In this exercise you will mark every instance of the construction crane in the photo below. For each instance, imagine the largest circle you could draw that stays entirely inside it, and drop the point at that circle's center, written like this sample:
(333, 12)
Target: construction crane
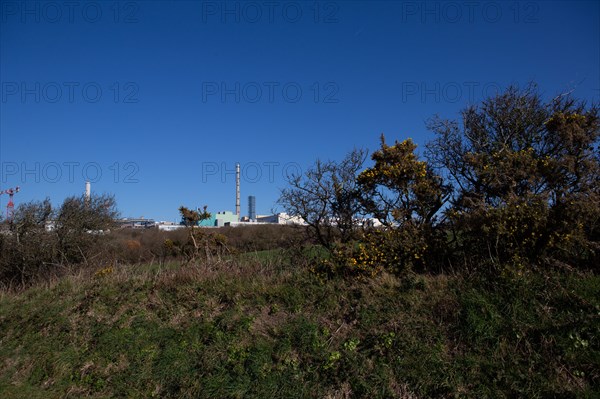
(10, 207)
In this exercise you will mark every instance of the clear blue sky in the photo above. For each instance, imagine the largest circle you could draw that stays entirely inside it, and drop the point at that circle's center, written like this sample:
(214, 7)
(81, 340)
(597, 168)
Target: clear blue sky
(155, 101)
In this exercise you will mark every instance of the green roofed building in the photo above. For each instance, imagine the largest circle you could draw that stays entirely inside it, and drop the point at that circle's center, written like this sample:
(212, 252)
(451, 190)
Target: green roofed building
(219, 219)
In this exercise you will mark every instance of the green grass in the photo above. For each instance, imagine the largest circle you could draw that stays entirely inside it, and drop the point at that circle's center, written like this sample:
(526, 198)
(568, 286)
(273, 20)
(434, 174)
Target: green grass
(262, 327)
(268, 255)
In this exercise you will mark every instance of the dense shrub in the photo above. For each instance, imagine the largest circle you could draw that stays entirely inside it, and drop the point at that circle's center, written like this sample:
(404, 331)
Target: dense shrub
(264, 237)
(26, 249)
(526, 174)
(134, 246)
(405, 195)
(522, 176)
(29, 251)
(81, 224)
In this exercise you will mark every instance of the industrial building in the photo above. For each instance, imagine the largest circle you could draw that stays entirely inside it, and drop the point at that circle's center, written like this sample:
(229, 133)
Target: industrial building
(279, 218)
(137, 223)
(228, 218)
(169, 226)
(220, 219)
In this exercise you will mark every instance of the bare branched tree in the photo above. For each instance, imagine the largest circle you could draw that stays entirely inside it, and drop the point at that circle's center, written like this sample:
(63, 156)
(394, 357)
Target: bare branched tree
(326, 197)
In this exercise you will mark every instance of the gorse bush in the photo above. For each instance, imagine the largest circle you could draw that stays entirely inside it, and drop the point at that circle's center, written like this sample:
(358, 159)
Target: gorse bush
(515, 183)
(399, 188)
(405, 195)
(396, 251)
(526, 175)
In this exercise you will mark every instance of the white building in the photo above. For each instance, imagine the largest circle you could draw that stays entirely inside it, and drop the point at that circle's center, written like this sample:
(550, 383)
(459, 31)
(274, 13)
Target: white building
(279, 218)
(169, 227)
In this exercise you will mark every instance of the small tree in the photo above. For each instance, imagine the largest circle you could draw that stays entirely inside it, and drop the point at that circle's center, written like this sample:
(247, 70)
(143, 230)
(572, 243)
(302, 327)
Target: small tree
(80, 223)
(28, 251)
(191, 218)
(31, 217)
(326, 197)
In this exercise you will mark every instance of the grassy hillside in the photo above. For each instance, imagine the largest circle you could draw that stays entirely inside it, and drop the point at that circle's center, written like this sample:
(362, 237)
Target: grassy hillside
(264, 327)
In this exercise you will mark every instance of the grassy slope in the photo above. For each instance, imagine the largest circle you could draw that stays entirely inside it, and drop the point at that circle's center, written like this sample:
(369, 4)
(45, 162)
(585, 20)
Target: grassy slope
(265, 330)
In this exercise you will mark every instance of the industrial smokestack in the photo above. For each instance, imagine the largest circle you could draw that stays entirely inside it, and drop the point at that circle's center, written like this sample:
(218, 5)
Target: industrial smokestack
(88, 191)
(237, 190)
(252, 208)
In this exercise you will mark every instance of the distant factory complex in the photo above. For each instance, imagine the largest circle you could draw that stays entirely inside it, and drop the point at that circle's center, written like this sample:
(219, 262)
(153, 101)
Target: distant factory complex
(218, 219)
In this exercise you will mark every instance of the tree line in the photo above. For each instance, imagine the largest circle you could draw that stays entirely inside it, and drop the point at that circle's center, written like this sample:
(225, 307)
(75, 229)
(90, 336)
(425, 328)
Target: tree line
(41, 239)
(513, 183)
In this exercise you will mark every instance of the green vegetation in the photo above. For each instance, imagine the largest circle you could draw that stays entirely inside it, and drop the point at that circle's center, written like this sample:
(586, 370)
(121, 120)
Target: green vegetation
(514, 184)
(268, 327)
(480, 281)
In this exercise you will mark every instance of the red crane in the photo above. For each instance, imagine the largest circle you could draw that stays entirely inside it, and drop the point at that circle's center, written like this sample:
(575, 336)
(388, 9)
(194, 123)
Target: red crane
(10, 207)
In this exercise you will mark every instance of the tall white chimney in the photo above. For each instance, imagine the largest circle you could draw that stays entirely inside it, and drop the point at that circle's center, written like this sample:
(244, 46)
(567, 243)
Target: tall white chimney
(237, 190)
(88, 190)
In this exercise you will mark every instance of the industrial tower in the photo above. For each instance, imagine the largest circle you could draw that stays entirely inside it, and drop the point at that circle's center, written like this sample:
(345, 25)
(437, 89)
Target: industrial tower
(10, 207)
(252, 208)
(237, 190)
